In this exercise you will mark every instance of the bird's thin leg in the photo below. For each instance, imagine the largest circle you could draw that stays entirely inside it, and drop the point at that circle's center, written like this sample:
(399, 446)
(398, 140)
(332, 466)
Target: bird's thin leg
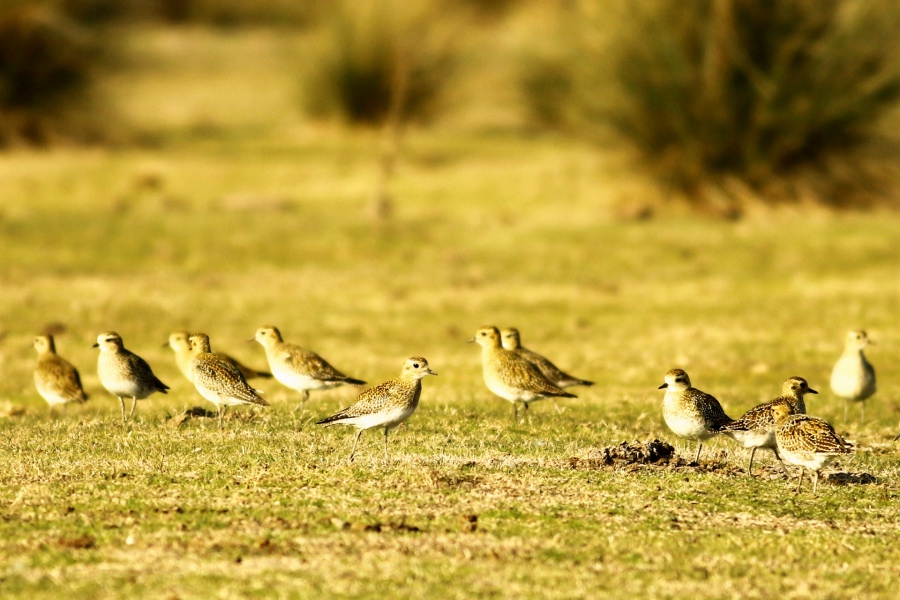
(515, 412)
(355, 441)
(750, 468)
(799, 481)
(133, 405)
(780, 462)
(862, 412)
(815, 482)
(304, 396)
(385, 443)
(122, 404)
(699, 449)
(526, 418)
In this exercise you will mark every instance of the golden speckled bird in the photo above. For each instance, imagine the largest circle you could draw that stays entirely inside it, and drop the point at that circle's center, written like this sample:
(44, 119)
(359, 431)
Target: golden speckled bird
(297, 368)
(56, 380)
(756, 428)
(513, 342)
(385, 405)
(807, 442)
(180, 344)
(218, 380)
(123, 373)
(852, 377)
(510, 376)
(690, 413)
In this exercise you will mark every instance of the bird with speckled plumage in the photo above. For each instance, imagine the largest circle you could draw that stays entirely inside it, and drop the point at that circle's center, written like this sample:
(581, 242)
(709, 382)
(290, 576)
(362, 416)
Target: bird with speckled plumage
(808, 442)
(512, 341)
(180, 344)
(690, 413)
(125, 374)
(56, 380)
(297, 368)
(852, 377)
(386, 405)
(218, 380)
(756, 428)
(511, 376)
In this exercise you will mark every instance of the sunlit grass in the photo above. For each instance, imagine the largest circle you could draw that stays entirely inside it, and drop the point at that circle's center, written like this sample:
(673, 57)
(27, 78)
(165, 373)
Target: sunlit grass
(203, 233)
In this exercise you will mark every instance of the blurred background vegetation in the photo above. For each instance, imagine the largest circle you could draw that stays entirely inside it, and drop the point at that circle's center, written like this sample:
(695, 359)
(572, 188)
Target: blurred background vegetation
(724, 102)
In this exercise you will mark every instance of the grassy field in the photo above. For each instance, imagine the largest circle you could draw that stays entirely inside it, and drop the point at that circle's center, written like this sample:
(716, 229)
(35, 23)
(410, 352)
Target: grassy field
(239, 214)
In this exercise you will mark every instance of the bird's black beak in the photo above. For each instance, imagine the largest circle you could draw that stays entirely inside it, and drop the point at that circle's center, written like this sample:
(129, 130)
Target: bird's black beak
(97, 345)
(665, 385)
(812, 391)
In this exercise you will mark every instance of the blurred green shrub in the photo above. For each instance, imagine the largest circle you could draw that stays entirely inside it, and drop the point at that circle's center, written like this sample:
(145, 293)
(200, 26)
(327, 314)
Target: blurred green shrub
(46, 62)
(768, 96)
(380, 56)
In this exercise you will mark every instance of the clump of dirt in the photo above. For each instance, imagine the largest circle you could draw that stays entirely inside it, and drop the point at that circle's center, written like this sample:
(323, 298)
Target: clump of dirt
(851, 478)
(630, 454)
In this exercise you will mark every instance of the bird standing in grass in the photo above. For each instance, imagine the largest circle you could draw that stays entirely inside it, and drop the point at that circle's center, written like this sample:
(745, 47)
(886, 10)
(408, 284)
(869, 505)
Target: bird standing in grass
(807, 442)
(385, 405)
(125, 374)
(852, 377)
(298, 368)
(180, 344)
(510, 376)
(512, 342)
(756, 429)
(218, 380)
(690, 413)
(56, 380)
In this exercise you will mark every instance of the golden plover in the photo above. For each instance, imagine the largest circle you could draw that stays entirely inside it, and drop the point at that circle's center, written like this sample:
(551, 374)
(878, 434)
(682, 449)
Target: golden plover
(180, 344)
(56, 380)
(690, 413)
(807, 442)
(756, 429)
(297, 368)
(385, 405)
(853, 378)
(123, 373)
(511, 341)
(218, 380)
(510, 376)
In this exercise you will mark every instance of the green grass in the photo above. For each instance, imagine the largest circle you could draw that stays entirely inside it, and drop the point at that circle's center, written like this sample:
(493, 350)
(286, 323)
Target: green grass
(226, 228)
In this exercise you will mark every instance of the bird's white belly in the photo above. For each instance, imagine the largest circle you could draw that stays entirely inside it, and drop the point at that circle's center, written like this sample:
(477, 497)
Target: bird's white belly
(124, 388)
(850, 380)
(52, 397)
(754, 438)
(810, 460)
(388, 419)
(686, 427)
(299, 381)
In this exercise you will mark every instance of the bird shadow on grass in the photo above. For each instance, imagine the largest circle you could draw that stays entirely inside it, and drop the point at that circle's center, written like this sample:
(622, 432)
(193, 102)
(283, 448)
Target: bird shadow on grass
(194, 412)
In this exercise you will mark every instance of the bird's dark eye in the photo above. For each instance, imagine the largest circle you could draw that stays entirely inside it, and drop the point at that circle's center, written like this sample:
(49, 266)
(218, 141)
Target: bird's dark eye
(415, 365)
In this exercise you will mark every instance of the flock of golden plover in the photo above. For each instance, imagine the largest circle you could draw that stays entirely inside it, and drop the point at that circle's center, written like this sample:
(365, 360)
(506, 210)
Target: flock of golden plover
(512, 372)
